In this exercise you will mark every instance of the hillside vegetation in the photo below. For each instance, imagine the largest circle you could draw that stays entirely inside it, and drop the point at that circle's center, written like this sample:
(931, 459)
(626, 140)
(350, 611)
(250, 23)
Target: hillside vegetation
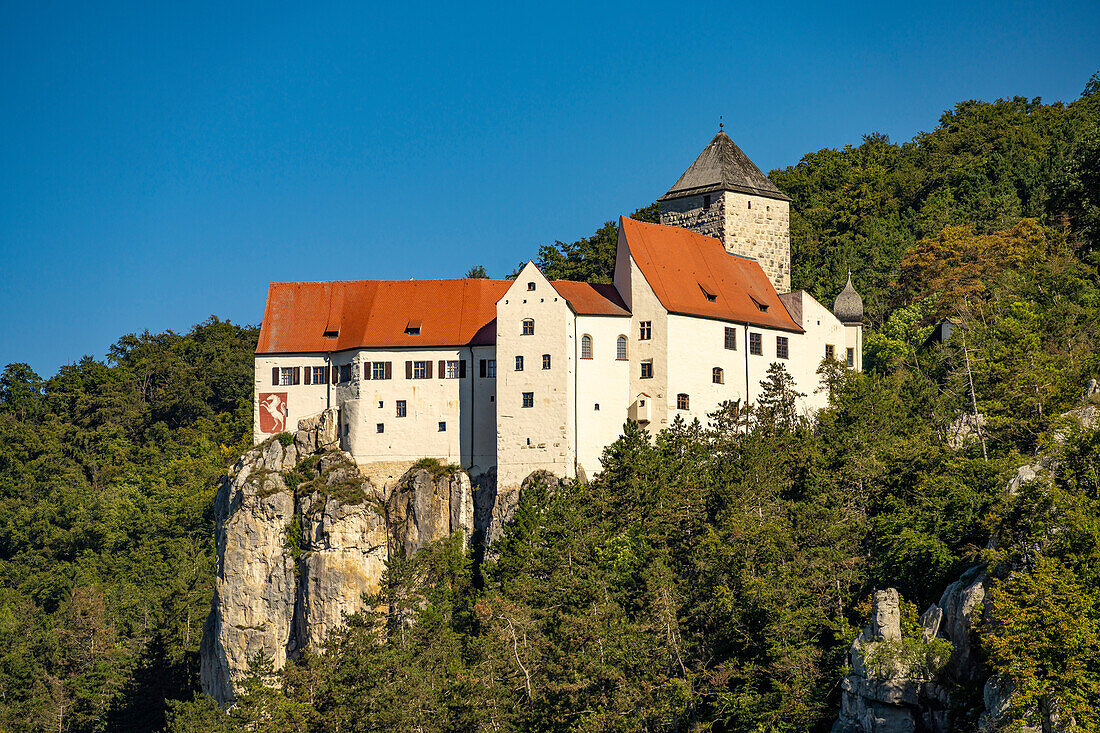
(711, 578)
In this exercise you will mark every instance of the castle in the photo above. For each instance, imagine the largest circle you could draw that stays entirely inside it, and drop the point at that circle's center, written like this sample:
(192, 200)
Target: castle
(527, 374)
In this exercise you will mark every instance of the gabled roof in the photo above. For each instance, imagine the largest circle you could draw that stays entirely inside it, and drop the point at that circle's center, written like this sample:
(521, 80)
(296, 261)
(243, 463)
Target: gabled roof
(588, 299)
(379, 314)
(684, 268)
(722, 166)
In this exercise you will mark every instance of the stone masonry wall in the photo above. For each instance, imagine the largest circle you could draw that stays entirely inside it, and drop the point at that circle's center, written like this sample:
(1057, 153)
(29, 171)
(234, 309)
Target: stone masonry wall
(752, 226)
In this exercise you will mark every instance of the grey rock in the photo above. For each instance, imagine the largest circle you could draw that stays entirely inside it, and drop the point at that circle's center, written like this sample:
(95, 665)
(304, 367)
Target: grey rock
(886, 615)
(930, 622)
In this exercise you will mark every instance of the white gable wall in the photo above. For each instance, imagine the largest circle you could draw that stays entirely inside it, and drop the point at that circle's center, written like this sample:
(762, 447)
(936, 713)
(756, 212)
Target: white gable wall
(541, 436)
(603, 380)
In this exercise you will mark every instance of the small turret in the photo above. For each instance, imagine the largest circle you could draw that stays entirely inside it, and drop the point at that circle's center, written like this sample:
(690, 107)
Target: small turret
(848, 306)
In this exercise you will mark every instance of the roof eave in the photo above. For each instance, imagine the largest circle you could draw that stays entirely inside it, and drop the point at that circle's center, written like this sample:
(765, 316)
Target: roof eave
(697, 190)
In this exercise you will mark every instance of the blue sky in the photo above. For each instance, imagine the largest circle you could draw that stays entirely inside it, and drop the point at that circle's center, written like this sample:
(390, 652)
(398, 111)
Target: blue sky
(161, 162)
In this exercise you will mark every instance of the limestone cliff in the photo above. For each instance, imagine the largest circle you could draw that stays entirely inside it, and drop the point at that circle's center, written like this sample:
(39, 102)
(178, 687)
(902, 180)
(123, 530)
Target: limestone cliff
(301, 534)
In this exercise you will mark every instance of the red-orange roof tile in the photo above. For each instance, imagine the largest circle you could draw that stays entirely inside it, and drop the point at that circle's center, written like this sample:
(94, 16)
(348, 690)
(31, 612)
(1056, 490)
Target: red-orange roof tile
(683, 267)
(377, 313)
(591, 299)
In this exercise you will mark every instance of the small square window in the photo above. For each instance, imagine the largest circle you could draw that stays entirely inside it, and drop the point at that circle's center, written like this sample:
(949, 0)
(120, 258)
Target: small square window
(345, 372)
(830, 351)
(528, 327)
(453, 369)
(530, 286)
(645, 330)
(380, 404)
(380, 427)
(682, 401)
(286, 376)
(378, 370)
(717, 375)
(402, 411)
(320, 375)
(519, 363)
(756, 344)
(597, 408)
(545, 361)
(528, 399)
(442, 427)
(420, 370)
(647, 370)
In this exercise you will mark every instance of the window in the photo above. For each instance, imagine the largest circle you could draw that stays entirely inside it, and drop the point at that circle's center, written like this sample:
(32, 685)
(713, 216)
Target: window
(731, 338)
(597, 407)
(586, 346)
(756, 344)
(320, 375)
(345, 372)
(381, 370)
(331, 334)
(830, 351)
(401, 410)
(681, 401)
(420, 369)
(711, 297)
(750, 204)
(380, 427)
(782, 347)
(528, 327)
(530, 286)
(519, 363)
(647, 370)
(286, 376)
(620, 348)
(717, 375)
(488, 368)
(706, 202)
(645, 330)
(453, 370)
(528, 399)
(851, 357)
(545, 361)
(413, 328)
(442, 426)
(381, 404)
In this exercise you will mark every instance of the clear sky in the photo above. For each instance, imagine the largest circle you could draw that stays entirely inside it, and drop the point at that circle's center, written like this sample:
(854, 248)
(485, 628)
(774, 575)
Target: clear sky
(161, 162)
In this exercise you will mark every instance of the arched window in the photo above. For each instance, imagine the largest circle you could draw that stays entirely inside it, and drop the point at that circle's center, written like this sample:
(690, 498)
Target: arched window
(586, 346)
(717, 376)
(620, 348)
(528, 327)
(682, 401)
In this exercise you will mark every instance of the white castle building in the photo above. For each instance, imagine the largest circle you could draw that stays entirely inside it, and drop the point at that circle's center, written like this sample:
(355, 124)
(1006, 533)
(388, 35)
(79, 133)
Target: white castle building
(532, 374)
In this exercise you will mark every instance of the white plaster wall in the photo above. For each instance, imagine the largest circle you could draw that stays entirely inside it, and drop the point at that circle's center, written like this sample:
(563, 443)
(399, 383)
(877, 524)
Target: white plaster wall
(822, 328)
(428, 402)
(697, 346)
(602, 380)
(646, 307)
(542, 436)
(302, 400)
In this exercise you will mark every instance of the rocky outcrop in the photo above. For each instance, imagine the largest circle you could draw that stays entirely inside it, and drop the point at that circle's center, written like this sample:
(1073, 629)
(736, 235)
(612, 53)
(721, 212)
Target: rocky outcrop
(301, 535)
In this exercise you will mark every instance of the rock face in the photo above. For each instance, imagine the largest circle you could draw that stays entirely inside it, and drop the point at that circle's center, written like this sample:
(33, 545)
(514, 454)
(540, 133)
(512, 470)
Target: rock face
(895, 693)
(300, 536)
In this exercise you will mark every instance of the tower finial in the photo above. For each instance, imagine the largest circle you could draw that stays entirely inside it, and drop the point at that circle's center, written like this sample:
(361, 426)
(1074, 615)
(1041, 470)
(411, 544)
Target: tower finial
(720, 123)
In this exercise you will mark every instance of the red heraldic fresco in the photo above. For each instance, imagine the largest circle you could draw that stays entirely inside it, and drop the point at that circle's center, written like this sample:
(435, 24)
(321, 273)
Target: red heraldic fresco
(273, 412)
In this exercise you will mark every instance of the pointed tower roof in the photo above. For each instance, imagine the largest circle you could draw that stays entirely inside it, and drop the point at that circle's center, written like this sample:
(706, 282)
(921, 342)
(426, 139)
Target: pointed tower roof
(722, 166)
(848, 306)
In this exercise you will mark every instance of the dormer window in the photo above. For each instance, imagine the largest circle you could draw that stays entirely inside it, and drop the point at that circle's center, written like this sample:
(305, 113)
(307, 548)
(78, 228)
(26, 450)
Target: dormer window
(711, 297)
(331, 334)
(763, 307)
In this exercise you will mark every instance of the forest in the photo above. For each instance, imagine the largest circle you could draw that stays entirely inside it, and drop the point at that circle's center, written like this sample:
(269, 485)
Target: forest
(712, 577)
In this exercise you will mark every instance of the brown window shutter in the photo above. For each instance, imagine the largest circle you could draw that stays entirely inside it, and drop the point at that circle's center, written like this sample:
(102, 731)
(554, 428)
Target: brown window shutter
(367, 369)
(275, 376)
(298, 375)
(408, 370)
(483, 369)
(442, 369)
(389, 370)
(462, 369)
(335, 374)
(428, 366)
(308, 374)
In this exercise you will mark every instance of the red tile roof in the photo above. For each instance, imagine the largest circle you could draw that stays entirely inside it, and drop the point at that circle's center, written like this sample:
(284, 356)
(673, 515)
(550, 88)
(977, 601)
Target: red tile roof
(682, 267)
(376, 314)
(589, 299)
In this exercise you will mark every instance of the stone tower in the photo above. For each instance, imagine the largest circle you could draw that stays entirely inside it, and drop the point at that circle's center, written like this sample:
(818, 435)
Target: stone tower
(724, 195)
